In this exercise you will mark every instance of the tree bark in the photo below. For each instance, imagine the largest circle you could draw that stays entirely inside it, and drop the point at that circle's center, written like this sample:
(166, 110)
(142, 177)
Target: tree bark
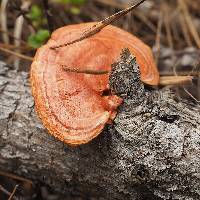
(151, 151)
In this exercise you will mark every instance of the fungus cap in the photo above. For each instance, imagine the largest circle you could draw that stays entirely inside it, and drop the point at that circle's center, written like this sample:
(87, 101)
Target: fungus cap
(71, 105)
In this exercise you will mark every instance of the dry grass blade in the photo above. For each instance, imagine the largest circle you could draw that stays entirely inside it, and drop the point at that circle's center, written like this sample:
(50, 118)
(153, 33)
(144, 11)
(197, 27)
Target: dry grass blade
(196, 100)
(143, 18)
(167, 25)
(158, 38)
(100, 25)
(18, 33)
(13, 192)
(15, 177)
(114, 3)
(13, 47)
(185, 30)
(3, 20)
(85, 71)
(11, 36)
(49, 15)
(16, 54)
(7, 192)
(182, 73)
(175, 80)
(189, 22)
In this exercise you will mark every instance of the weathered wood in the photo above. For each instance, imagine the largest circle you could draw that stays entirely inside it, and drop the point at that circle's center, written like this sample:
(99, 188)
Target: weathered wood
(152, 151)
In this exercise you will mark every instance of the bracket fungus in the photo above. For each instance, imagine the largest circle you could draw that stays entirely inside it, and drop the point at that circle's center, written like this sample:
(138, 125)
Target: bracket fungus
(73, 106)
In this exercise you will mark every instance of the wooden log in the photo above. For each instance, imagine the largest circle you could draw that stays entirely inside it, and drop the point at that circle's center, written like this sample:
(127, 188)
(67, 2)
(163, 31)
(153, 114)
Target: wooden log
(151, 151)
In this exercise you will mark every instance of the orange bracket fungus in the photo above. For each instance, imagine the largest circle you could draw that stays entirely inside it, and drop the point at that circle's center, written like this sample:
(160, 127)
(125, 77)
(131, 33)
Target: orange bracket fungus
(73, 106)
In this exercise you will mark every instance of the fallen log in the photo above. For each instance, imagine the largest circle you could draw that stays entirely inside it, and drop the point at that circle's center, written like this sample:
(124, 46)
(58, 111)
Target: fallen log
(151, 151)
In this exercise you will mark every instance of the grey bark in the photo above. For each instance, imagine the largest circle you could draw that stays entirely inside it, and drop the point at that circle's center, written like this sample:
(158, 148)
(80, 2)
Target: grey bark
(152, 150)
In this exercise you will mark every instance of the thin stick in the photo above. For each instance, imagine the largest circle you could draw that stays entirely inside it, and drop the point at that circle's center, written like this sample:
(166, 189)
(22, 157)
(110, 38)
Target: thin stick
(3, 16)
(6, 192)
(188, 19)
(196, 66)
(11, 35)
(158, 38)
(22, 11)
(18, 32)
(114, 3)
(11, 46)
(182, 52)
(167, 26)
(13, 192)
(182, 73)
(16, 54)
(164, 80)
(185, 30)
(85, 71)
(145, 19)
(191, 95)
(99, 26)
(15, 177)
(48, 15)
(138, 14)
(175, 31)
(175, 80)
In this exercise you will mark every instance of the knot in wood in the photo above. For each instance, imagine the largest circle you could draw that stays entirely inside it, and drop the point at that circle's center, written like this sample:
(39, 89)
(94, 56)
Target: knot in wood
(124, 79)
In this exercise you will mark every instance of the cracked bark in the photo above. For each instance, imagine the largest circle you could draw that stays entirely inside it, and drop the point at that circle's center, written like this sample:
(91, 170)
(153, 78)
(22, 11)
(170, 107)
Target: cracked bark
(152, 150)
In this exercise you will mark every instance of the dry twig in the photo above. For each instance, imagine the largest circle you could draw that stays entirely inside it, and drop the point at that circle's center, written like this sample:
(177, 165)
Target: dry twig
(158, 37)
(15, 177)
(7, 192)
(18, 31)
(3, 20)
(11, 36)
(100, 25)
(143, 18)
(185, 30)
(167, 25)
(190, 24)
(13, 192)
(175, 80)
(48, 15)
(16, 54)
(85, 71)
